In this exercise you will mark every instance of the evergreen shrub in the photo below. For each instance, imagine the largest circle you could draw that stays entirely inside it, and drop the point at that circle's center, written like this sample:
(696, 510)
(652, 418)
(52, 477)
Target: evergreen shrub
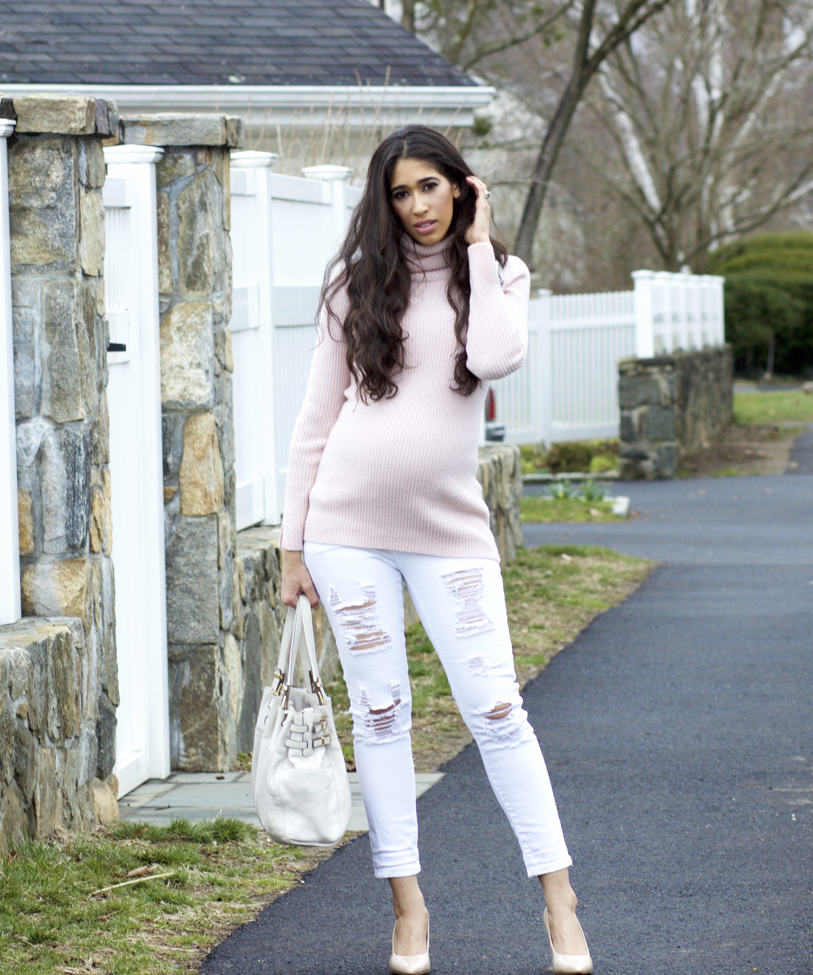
(769, 294)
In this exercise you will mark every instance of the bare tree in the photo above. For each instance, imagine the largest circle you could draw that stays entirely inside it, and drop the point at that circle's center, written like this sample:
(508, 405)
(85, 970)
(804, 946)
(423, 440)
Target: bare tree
(468, 32)
(709, 108)
(588, 56)
(408, 14)
(495, 36)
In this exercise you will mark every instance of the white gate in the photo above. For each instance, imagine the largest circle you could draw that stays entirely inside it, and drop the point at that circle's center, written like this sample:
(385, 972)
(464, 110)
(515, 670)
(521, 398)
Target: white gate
(134, 402)
(285, 230)
(252, 337)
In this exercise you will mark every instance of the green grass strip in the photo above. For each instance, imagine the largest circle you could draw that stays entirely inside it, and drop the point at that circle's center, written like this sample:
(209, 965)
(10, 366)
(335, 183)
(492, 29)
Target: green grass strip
(751, 409)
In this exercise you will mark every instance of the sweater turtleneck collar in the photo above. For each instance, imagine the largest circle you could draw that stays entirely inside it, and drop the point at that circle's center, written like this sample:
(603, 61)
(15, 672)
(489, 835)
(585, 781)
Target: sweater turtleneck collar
(426, 257)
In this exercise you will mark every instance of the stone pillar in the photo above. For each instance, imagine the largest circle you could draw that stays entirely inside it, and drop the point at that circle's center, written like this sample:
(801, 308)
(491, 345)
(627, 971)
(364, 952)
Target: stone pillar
(670, 405)
(56, 172)
(499, 471)
(194, 257)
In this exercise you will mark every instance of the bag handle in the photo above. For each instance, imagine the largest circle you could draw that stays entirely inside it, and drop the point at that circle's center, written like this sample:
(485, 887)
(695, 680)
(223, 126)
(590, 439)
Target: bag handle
(298, 624)
(284, 649)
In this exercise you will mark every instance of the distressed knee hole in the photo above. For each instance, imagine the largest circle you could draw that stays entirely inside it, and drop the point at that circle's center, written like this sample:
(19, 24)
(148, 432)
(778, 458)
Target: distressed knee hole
(467, 588)
(506, 724)
(385, 722)
(361, 626)
(477, 666)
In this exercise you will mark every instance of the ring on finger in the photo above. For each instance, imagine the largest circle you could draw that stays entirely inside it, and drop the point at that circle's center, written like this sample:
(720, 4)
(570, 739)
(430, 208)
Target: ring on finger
(488, 195)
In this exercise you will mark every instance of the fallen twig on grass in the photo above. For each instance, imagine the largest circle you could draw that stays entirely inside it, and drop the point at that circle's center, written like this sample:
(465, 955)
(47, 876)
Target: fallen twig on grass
(127, 883)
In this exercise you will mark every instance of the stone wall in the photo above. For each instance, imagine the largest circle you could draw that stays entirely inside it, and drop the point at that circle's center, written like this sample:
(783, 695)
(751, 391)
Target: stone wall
(52, 741)
(671, 405)
(194, 272)
(499, 472)
(56, 173)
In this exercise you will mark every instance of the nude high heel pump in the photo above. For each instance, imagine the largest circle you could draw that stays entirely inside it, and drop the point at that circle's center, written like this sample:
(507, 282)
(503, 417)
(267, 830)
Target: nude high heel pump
(568, 964)
(410, 964)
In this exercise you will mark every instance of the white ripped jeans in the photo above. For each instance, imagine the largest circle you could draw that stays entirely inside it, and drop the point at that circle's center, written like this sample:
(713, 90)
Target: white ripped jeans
(462, 606)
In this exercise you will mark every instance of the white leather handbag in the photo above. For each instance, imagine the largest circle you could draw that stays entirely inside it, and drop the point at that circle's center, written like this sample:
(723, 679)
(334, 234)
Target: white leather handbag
(301, 789)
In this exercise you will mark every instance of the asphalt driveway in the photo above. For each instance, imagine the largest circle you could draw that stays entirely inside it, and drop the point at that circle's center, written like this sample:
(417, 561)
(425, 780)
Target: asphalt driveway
(678, 730)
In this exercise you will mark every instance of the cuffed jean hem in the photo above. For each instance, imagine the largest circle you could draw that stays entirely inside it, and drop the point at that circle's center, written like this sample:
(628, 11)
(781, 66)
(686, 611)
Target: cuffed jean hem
(406, 870)
(538, 869)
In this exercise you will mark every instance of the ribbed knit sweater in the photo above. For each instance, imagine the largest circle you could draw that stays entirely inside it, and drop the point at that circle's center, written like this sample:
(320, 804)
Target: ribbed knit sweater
(400, 473)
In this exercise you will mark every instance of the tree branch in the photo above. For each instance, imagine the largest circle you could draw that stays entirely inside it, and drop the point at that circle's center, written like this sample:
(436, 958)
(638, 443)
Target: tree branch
(635, 14)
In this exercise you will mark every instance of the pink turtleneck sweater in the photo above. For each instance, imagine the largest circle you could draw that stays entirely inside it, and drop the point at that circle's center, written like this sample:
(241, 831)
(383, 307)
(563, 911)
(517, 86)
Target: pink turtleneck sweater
(400, 473)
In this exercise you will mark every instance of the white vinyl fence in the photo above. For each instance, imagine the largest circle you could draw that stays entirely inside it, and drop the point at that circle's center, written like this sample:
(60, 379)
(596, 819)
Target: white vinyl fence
(568, 387)
(134, 402)
(9, 534)
(285, 229)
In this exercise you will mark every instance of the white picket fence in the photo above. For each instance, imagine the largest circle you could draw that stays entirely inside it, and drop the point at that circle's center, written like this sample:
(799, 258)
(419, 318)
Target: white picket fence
(284, 231)
(568, 387)
(9, 535)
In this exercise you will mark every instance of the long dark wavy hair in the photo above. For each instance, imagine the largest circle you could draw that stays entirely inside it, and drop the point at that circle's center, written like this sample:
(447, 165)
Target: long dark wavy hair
(372, 265)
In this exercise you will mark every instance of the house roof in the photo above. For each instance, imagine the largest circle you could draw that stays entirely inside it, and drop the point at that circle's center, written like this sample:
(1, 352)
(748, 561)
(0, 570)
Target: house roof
(214, 42)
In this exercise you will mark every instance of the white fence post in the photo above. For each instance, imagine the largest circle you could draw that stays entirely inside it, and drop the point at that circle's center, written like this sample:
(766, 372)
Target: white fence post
(136, 466)
(337, 176)
(251, 329)
(644, 334)
(9, 529)
(543, 384)
(307, 221)
(714, 312)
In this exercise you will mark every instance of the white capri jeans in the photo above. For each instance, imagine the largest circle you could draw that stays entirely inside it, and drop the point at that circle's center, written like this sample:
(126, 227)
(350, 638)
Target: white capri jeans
(462, 606)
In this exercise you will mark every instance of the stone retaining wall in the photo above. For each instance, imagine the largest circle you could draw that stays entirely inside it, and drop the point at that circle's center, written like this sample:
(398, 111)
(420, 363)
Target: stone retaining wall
(499, 472)
(56, 172)
(671, 405)
(53, 744)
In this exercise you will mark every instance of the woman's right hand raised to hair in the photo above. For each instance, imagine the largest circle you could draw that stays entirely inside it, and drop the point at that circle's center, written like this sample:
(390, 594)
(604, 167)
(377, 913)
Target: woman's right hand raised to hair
(296, 579)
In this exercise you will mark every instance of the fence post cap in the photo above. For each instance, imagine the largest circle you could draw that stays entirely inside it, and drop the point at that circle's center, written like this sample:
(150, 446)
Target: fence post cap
(642, 274)
(544, 292)
(253, 159)
(7, 126)
(133, 154)
(328, 172)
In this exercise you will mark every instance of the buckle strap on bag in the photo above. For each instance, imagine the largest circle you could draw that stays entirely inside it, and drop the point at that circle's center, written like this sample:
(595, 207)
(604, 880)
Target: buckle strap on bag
(307, 733)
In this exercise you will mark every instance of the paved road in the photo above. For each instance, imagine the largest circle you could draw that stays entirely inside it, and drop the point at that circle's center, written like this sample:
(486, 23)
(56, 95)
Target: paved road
(678, 729)
(801, 455)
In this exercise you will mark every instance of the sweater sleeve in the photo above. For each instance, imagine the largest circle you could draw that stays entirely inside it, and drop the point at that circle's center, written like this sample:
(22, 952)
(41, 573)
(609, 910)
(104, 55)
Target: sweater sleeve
(497, 337)
(329, 379)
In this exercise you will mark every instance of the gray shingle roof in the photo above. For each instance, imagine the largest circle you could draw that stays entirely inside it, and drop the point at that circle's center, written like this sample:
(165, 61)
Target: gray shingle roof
(205, 42)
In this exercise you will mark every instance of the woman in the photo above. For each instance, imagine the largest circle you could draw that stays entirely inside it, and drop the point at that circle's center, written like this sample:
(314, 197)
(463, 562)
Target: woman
(420, 309)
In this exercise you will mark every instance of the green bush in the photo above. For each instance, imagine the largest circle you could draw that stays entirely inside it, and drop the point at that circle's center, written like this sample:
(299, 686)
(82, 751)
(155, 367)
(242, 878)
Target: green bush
(603, 462)
(576, 457)
(769, 294)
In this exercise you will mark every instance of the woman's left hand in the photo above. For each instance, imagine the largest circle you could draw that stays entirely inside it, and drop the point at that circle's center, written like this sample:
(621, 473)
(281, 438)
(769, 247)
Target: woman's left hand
(478, 232)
